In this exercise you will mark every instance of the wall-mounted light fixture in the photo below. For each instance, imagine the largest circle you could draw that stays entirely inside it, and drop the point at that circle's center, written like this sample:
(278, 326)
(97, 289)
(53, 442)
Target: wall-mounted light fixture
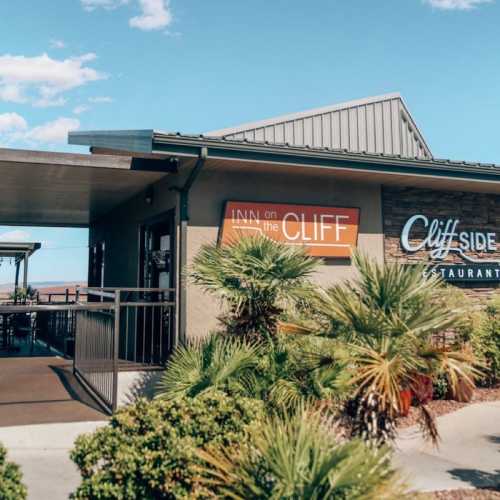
(148, 197)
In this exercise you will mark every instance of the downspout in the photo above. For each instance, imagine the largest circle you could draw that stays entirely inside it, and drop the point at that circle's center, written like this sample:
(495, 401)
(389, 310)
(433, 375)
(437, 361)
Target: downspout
(184, 222)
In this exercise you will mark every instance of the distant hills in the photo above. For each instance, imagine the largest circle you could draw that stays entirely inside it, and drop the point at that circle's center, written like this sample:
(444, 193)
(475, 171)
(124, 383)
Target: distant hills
(45, 285)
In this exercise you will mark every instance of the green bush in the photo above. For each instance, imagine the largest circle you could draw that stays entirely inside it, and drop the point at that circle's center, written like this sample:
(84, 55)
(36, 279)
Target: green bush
(480, 329)
(11, 487)
(149, 449)
(485, 342)
(440, 387)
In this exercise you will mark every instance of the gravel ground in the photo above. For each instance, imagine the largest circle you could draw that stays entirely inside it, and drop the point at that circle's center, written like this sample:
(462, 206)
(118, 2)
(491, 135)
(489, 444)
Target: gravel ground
(442, 406)
(461, 495)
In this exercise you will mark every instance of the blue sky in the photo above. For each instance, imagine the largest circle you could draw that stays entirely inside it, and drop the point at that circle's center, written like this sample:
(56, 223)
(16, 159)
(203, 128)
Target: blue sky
(193, 66)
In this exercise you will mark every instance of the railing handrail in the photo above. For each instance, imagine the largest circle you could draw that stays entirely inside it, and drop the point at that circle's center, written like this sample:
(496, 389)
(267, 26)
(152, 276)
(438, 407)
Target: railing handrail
(100, 293)
(57, 294)
(27, 308)
(128, 289)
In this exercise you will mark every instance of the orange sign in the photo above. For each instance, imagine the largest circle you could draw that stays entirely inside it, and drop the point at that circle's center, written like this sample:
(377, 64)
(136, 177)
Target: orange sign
(324, 231)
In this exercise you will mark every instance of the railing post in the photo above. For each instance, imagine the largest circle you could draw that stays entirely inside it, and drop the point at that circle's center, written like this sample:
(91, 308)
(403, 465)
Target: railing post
(116, 345)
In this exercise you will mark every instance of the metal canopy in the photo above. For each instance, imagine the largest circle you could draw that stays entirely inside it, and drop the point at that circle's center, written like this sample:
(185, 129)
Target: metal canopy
(65, 189)
(18, 250)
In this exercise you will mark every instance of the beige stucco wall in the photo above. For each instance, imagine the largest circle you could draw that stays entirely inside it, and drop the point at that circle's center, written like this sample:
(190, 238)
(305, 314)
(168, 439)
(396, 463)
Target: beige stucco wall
(214, 187)
(120, 230)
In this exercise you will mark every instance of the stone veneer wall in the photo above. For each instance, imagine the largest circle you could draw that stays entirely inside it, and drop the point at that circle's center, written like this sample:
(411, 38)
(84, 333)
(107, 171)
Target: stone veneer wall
(476, 211)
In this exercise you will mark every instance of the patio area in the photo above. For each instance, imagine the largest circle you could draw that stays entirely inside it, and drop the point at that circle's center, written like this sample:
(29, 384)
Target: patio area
(39, 390)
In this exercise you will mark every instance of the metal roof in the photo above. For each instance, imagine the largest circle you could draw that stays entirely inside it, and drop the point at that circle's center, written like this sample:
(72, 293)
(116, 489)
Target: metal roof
(18, 250)
(380, 124)
(224, 148)
(177, 144)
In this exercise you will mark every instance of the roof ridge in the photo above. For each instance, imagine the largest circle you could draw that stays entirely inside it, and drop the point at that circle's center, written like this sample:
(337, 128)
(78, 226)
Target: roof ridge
(305, 114)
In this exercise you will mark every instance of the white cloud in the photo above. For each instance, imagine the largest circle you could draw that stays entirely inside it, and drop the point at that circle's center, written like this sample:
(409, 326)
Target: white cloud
(105, 4)
(16, 235)
(11, 93)
(41, 79)
(78, 110)
(155, 15)
(456, 4)
(14, 131)
(52, 132)
(100, 99)
(12, 121)
(57, 44)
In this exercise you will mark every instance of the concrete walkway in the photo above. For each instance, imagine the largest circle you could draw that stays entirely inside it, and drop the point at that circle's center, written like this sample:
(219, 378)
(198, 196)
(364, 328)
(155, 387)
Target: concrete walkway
(468, 455)
(42, 451)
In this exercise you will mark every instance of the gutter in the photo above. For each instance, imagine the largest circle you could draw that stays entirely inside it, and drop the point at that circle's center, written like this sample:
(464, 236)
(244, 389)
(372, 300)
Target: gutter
(184, 222)
(188, 146)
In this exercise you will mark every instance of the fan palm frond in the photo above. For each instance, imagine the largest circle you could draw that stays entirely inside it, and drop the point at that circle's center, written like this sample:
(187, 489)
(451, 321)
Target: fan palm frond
(214, 363)
(256, 277)
(299, 456)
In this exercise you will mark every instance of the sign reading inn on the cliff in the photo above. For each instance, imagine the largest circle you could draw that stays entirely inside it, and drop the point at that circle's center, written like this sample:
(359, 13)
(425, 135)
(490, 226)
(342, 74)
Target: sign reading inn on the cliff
(445, 238)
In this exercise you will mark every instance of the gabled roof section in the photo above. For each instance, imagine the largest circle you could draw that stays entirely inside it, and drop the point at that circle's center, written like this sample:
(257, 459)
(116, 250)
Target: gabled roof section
(381, 124)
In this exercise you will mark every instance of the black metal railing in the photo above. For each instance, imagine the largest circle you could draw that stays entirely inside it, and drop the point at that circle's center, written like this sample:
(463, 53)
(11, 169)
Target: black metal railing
(56, 328)
(128, 329)
(95, 359)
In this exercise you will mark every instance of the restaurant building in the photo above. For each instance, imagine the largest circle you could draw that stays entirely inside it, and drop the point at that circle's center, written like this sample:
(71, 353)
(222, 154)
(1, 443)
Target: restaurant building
(357, 175)
(354, 175)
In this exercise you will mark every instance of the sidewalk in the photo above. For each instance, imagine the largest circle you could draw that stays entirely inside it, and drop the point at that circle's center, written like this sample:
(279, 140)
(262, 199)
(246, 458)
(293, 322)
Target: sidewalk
(42, 451)
(468, 455)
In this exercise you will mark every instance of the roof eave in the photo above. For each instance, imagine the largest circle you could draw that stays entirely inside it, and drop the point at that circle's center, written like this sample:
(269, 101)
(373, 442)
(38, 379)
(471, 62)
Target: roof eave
(267, 153)
(124, 140)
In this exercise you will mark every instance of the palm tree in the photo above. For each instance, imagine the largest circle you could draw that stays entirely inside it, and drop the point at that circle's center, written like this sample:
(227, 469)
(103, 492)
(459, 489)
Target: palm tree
(390, 314)
(299, 456)
(255, 277)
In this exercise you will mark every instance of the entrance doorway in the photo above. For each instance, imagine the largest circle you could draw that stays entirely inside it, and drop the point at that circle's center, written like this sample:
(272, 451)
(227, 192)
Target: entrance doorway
(157, 243)
(153, 341)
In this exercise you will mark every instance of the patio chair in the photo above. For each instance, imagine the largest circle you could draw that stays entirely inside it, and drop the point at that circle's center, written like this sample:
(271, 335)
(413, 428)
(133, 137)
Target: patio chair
(23, 328)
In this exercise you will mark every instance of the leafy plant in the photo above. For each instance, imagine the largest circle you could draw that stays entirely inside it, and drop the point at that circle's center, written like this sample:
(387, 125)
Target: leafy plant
(441, 389)
(390, 313)
(23, 294)
(11, 486)
(299, 456)
(483, 336)
(149, 450)
(283, 373)
(255, 277)
(215, 363)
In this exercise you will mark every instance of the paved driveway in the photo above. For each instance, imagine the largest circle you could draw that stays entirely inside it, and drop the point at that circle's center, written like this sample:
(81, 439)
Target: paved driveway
(468, 455)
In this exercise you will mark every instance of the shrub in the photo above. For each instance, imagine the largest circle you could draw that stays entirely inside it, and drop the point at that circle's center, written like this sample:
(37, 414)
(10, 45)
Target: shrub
(148, 450)
(217, 362)
(11, 487)
(485, 342)
(283, 372)
(441, 389)
(299, 456)
(479, 331)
